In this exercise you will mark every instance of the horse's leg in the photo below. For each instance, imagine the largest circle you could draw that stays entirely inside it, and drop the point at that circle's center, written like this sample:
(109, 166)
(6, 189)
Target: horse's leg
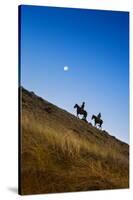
(97, 125)
(85, 115)
(100, 126)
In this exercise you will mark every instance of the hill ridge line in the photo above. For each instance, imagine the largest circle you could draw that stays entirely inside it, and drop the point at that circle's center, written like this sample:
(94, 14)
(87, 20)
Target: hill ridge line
(42, 100)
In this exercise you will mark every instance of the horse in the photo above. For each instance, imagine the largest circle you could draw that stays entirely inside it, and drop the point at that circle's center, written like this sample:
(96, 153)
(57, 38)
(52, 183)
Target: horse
(97, 121)
(81, 111)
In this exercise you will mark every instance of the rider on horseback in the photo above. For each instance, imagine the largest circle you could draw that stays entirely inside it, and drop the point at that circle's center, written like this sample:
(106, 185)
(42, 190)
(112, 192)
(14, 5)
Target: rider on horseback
(83, 105)
(81, 111)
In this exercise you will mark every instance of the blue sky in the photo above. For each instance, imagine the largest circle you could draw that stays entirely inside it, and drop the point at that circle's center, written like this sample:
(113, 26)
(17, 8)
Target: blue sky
(94, 45)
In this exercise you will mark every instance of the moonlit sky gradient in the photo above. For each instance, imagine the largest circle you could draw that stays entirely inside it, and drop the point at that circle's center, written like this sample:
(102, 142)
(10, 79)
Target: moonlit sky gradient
(95, 47)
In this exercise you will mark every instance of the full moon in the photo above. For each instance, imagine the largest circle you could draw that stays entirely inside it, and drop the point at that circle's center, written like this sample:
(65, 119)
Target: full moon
(66, 68)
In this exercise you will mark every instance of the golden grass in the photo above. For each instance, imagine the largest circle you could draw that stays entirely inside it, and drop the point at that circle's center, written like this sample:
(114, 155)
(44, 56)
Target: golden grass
(64, 161)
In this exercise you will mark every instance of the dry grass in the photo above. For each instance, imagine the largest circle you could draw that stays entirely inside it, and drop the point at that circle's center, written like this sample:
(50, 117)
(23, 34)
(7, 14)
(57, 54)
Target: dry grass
(65, 161)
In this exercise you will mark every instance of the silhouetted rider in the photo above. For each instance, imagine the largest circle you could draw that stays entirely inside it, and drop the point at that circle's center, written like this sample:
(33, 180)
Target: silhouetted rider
(99, 116)
(83, 105)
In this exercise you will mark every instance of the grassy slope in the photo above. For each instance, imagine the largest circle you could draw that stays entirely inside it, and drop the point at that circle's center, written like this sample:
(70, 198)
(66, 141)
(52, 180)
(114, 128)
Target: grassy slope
(61, 153)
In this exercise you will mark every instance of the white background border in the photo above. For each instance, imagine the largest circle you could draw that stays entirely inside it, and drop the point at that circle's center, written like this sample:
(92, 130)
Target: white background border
(9, 97)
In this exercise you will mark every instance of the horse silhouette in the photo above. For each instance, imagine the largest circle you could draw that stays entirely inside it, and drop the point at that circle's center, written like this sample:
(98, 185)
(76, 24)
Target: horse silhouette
(81, 111)
(97, 121)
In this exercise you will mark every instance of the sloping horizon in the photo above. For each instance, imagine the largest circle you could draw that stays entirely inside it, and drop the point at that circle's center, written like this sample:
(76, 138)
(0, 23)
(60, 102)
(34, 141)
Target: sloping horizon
(94, 45)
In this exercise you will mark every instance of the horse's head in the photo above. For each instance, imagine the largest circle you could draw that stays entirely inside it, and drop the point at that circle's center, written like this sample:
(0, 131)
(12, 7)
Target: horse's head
(75, 106)
(92, 117)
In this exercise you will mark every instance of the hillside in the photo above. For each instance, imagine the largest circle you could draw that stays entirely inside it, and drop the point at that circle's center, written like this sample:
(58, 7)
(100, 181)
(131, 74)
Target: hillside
(60, 153)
